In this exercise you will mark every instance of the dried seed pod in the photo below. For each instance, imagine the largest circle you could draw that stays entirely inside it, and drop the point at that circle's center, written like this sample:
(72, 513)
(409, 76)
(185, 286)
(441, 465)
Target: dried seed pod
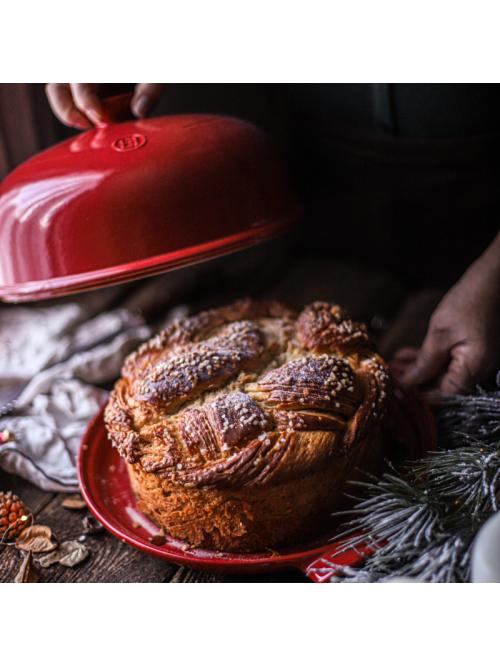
(14, 516)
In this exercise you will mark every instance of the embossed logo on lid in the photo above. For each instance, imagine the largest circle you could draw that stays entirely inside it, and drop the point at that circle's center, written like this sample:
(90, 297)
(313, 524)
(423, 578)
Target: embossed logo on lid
(131, 142)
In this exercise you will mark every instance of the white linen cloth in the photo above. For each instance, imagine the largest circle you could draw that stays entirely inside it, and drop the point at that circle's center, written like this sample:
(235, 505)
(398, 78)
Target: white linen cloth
(53, 358)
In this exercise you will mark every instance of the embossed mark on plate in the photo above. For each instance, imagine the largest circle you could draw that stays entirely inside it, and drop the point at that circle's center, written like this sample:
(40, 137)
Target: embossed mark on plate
(130, 142)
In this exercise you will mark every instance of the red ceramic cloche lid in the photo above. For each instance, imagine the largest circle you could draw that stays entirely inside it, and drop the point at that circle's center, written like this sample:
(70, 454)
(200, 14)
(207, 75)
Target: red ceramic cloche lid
(137, 198)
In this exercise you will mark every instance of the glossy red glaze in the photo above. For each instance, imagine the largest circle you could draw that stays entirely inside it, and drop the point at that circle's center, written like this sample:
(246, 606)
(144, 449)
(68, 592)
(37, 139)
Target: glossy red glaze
(105, 486)
(132, 199)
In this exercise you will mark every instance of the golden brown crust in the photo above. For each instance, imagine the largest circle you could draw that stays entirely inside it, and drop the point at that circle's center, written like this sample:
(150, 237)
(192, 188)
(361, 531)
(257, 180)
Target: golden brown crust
(243, 400)
(325, 327)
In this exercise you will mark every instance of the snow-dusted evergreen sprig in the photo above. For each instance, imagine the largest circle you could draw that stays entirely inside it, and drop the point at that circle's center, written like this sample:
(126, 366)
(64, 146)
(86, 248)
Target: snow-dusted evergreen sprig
(463, 416)
(395, 510)
(468, 478)
(424, 518)
(446, 561)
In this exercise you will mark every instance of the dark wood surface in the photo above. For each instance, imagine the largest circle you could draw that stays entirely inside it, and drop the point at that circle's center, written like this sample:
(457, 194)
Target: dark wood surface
(402, 319)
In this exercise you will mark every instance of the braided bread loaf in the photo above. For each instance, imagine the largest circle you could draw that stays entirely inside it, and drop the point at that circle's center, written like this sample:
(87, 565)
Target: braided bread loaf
(240, 425)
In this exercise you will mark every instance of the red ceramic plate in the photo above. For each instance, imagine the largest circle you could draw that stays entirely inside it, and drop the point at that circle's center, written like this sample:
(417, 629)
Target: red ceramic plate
(105, 486)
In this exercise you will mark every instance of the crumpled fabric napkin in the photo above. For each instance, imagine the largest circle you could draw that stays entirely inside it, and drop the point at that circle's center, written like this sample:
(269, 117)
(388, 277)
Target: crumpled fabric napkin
(53, 362)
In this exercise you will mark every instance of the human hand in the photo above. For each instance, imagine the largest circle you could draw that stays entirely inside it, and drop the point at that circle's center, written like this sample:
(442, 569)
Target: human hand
(462, 344)
(79, 104)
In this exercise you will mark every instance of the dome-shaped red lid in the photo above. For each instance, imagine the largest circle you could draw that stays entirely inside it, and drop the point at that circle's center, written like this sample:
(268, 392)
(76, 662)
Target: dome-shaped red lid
(137, 198)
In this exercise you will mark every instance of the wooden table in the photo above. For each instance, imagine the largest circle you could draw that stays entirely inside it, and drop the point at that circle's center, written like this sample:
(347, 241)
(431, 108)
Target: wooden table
(113, 561)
